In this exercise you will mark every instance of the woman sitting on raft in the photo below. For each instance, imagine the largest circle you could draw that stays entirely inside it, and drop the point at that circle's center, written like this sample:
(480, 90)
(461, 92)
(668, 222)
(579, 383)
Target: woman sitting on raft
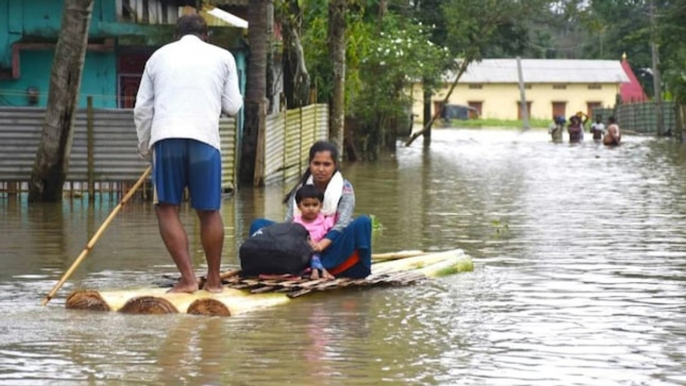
(346, 250)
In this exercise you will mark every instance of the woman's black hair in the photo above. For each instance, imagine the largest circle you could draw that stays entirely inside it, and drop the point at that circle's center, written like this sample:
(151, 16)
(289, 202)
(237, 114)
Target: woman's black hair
(317, 147)
(308, 191)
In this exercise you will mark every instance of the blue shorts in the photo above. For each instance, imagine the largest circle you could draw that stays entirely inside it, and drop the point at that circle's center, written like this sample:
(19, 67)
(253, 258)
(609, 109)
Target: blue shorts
(179, 163)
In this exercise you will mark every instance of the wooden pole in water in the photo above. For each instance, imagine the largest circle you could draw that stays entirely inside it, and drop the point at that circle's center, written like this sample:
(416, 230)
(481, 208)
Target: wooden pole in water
(524, 105)
(657, 82)
(89, 148)
(96, 236)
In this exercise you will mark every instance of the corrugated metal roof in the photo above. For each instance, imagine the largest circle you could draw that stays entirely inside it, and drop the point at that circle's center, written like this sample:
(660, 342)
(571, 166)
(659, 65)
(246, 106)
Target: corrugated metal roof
(543, 71)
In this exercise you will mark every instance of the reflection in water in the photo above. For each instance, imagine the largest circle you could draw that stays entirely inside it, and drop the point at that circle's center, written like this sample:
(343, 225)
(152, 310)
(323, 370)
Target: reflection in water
(585, 288)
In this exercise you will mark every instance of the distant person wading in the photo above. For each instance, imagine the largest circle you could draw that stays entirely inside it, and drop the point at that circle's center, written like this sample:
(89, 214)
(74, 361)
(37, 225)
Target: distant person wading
(613, 137)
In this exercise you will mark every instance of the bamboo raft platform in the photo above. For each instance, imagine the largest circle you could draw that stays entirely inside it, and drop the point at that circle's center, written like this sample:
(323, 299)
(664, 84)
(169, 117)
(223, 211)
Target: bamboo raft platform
(244, 294)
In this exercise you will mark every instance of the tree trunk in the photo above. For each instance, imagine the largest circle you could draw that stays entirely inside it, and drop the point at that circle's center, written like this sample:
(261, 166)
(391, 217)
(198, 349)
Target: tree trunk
(426, 114)
(273, 71)
(337, 9)
(680, 121)
(469, 58)
(383, 8)
(251, 170)
(296, 79)
(52, 158)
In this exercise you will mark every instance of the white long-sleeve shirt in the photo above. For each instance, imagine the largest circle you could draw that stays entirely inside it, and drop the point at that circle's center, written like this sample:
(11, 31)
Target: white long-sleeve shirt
(184, 88)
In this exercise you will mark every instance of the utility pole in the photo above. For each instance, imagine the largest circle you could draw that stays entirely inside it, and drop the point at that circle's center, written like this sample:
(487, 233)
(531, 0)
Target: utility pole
(522, 95)
(657, 84)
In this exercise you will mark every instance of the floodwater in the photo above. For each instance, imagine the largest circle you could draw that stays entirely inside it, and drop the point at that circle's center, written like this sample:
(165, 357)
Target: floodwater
(580, 255)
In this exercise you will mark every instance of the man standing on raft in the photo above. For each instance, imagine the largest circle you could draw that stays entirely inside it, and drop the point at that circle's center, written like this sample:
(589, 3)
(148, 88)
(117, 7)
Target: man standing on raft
(184, 88)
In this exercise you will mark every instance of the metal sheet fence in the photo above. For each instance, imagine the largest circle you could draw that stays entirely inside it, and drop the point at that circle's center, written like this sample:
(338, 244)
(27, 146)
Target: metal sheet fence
(113, 143)
(274, 148)
(640, 117)
(288, 139)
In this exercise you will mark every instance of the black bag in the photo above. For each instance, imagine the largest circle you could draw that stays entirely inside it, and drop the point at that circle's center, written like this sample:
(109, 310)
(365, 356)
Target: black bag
(276, 249)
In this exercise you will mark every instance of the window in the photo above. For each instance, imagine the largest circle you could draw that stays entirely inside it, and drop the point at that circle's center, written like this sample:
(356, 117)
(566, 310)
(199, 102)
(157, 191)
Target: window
(559, 87)
(595, 86)
(476, 86)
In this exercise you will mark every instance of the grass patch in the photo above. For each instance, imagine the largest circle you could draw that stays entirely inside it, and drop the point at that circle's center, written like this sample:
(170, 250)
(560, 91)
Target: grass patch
(499, 123)
(376, 224)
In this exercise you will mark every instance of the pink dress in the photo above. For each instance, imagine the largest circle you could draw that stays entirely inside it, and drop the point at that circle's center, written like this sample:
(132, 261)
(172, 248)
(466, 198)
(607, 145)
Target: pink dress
(317, 228)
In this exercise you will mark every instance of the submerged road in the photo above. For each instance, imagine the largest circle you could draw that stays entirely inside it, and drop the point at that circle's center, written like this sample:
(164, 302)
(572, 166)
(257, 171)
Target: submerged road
(580, 255)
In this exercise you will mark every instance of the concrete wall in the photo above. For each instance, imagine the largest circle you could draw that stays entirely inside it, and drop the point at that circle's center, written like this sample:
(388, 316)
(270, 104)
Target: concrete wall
(99, 79)
(501, 101)
(38, 19)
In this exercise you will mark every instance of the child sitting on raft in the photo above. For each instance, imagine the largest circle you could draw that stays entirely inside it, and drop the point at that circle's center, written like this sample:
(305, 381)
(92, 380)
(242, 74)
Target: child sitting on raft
(309, 201)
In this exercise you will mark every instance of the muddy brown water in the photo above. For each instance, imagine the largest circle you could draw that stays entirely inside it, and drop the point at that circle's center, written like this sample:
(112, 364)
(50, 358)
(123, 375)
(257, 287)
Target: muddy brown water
(580, 265)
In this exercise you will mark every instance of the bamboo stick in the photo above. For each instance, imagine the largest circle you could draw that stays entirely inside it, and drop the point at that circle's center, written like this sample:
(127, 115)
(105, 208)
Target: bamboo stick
(448, 267)
(416, 262)
(96, 237)
(223, 276)
(378, 257)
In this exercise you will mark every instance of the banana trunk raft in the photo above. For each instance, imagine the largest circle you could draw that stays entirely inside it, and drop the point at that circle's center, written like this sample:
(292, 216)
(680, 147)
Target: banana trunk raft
(249, 294)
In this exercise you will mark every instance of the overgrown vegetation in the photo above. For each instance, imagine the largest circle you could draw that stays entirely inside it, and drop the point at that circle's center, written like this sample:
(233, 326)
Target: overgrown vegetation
(393, 43)
(498, 123)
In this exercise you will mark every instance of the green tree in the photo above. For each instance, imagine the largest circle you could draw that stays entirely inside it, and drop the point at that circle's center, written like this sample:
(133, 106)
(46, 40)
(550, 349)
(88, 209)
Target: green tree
(625, 28)
(394, 60)
(476, 28)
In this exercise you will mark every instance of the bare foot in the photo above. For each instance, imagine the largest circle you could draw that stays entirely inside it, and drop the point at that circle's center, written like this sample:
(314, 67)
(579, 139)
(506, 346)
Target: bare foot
(213, 289)
(326, 275)
(314, 275)
(184, 287)
(213, 284)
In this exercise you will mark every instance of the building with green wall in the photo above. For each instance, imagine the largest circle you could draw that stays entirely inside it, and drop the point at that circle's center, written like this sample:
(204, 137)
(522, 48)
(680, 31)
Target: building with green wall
(122, 35)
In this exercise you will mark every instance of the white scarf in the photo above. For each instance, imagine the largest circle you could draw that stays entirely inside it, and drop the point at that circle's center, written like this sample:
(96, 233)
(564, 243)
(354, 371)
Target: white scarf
(333, 193)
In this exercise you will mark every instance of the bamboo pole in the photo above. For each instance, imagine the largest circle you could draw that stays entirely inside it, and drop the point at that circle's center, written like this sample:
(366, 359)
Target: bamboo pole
(89, 148)
(378, 257)
(222, 276)
(96, 236)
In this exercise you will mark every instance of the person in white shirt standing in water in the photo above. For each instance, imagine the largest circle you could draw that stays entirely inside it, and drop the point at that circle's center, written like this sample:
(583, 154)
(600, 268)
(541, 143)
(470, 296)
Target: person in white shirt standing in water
(598, 128)
(184, 88)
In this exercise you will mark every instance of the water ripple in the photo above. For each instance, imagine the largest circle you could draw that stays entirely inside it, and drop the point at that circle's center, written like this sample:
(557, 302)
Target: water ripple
(579, 279)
